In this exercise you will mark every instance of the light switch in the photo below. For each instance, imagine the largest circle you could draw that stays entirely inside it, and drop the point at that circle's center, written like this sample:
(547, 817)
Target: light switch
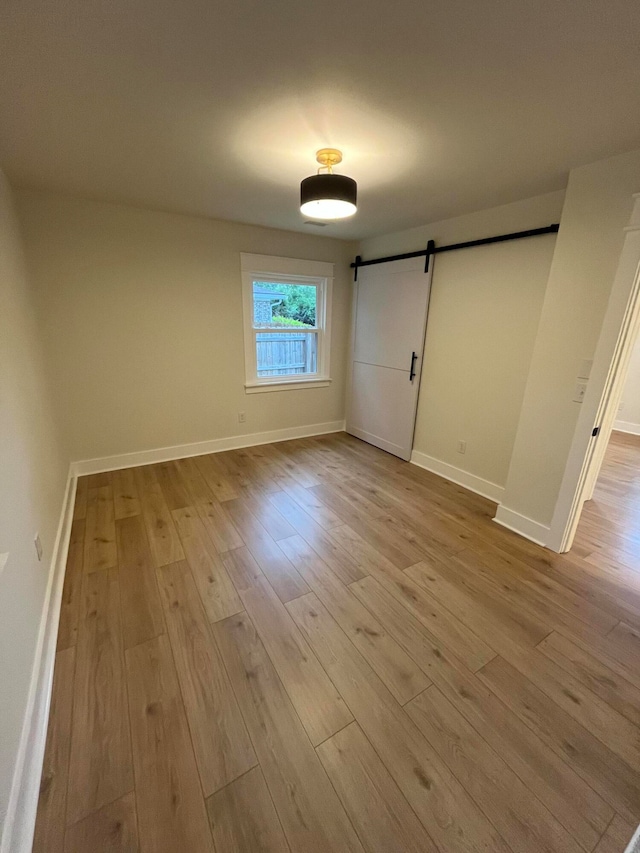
(581, 390)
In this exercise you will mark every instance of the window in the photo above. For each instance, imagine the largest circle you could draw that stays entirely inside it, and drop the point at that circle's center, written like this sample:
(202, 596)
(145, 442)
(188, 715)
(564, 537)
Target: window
(287, 308)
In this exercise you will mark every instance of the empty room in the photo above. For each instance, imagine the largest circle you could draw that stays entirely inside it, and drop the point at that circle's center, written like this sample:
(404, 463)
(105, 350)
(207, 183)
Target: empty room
(319, 440)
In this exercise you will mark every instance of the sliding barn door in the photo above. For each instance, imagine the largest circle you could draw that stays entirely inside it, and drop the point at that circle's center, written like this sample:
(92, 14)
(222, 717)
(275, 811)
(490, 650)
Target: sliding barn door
(391, 303)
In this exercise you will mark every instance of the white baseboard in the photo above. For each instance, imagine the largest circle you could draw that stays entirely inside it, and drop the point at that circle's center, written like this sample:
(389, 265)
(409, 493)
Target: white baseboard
(521, 524)
(199, 448)
(19, 825)
(627, 426)
(480, 486)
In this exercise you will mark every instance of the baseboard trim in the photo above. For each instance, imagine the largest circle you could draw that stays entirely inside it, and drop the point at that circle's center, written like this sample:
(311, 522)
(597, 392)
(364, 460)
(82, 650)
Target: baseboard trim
(199, 448)
(20, 819)
(524, 526)
(627, 426)
(476, 484)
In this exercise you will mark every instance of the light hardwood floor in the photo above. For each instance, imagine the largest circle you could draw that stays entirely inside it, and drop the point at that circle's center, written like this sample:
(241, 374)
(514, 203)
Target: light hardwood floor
(313, 646)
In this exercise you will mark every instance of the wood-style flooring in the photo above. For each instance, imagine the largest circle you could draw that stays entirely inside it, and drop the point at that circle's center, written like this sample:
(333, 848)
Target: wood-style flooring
(312, 646)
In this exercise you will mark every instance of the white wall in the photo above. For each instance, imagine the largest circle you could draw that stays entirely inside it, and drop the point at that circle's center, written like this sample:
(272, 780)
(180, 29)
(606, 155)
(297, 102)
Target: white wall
(628, 419)
(483, 319)
(141, 316)
(597, 207)
(32, 481)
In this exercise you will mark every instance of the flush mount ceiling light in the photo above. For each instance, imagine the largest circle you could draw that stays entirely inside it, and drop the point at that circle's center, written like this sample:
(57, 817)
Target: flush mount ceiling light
(325, 195)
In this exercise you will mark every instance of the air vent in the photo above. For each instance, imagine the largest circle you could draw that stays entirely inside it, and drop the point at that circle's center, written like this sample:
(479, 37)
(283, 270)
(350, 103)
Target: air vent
(316, 224)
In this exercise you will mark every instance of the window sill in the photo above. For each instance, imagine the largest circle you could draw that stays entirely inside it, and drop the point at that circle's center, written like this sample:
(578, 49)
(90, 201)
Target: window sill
(288, 385)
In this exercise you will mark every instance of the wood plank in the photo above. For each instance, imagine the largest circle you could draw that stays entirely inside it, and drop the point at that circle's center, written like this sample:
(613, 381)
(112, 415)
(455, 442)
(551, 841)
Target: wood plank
(393, 665)
(173, 486)
(72, 589)
(125, 493)
(112, 829)
(171, 811)
(611, 777)
(437, 619)
(319, 510)
(97, 481)
(218, 525)
(216, 590)
(243, 819)
(293, 462)
(573, 803)
(163, 537)
(80, 504)
(140, 603)
(540, 593)
(220, 741)
(269, 517)
(100, 768)
(221, 485)
(453, 820)
(626, 641)
(319, 705)
(608, 685)
(195, 484)
(599, 718)
(282, 576)
(378, 531)
(618, 835)
(311, 814)
(100, 532)
(380, 814)
(338, 559)
(486, 614)
(522, 820)
(52, 803)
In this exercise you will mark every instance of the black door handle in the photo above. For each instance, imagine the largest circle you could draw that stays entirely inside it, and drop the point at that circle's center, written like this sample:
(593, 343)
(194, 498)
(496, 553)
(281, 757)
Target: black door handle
(412, 371)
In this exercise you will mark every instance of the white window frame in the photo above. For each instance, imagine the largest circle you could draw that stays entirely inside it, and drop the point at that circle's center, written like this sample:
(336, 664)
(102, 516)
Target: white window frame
(284, 271)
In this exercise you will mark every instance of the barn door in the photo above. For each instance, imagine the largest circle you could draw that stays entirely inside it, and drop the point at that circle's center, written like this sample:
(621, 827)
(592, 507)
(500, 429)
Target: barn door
(391, 314)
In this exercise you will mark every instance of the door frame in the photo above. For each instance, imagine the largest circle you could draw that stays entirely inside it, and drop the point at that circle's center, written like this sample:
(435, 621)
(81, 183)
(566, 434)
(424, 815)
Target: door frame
(618, 335)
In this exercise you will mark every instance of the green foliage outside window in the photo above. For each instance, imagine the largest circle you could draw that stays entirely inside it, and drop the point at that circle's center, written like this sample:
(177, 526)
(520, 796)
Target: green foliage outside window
(299, 304)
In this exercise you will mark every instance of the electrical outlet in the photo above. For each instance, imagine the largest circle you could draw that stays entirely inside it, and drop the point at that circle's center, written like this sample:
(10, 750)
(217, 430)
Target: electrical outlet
(242, 417)
(580, 391)
(462, 447)
(38, 545)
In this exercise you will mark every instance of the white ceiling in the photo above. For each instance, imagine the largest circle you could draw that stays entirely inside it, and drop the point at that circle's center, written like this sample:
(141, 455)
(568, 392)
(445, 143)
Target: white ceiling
(217, 108)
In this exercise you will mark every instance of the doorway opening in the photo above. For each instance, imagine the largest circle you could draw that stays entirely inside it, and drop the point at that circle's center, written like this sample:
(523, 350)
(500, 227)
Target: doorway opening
(612, 359)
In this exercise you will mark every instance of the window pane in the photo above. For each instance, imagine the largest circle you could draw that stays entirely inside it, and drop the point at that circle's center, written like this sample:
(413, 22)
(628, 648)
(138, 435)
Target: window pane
(286, 353)
(283, 305)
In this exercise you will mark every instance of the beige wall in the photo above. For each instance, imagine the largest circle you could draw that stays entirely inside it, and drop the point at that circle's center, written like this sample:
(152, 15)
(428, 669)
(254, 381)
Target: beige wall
(597, 207)
(32, 481)
(483, 318)
(142, 324)
(628, 418)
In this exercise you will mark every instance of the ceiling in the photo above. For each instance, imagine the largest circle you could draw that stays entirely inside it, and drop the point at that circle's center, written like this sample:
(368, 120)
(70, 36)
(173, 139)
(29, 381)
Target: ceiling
(217, 108)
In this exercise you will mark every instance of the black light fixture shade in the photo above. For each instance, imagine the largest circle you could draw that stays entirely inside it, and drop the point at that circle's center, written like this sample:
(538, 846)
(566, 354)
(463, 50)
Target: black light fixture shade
(328, 196)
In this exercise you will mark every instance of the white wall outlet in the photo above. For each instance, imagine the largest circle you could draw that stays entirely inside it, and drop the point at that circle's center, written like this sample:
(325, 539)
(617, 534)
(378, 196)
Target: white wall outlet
(242, 417)
(585, 368)
(38, 545)
(462, 447)
(580, 391)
